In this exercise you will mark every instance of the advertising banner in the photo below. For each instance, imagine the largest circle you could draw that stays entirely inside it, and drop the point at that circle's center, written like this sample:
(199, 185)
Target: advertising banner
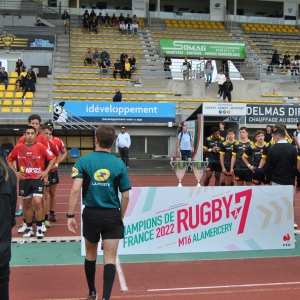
(271, 114)
(136, 112)
(207, 219)
(224, 109)
(139, 8)
(202, 48)
(217, 10)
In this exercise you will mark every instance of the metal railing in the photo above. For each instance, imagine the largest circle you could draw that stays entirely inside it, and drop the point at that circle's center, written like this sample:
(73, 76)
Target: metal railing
(21, 8)
(74, 122)
(227, 19)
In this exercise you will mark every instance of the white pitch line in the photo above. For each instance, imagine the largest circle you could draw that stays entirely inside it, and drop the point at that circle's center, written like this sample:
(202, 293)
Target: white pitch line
(122, 280)
(224, 286)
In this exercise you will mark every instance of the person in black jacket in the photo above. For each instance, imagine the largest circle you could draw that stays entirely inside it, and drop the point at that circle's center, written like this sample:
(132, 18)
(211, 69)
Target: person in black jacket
(118, 68)
(281, 162)
(8, 196)
(275, 58)
(118, 96)
(30, 73)
(227, 89)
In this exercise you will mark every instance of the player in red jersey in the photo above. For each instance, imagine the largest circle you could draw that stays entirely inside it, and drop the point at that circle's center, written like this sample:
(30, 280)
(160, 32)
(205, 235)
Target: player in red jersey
(30, 157)
(46, 132)
(54, 180)
(34, 121)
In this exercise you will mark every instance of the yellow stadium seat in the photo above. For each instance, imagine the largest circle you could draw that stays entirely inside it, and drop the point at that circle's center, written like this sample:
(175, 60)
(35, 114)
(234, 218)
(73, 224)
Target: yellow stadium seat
(14, 75)
(23, 73)
(16, 109)
(11, 88)
(9, 95)
(5, 109)
(6, 102)
(27, 109)
(17, 103)
(2, 87)
(12, 81)
(29, 95)
(27, 103)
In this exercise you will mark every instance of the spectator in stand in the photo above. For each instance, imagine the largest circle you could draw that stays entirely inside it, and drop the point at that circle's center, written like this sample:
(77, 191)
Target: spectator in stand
(20, 83)
(186, 68)
(31, 74)
(104, 68)
(286, 60)
(86, 26)
(96, 58)
(134, 19)
(121, 18)
(85, 18)
(92, 14)
(20, 67)
(220, 78)
(297, 56)
(66, 18)
(275, 59)
(88, 57)
(100, 20)
(128, 28)
(94, 25)
(40, 24)
(227, 89)
(6, 148)
(29, 86)
(106, 20)
(128, 19)
(134, 28)
(295, 67)
(86, 14)
(105, 56)
(126, 67)
(208, 72)
(123, 56)
(114, 21)
(122, 27)
(118, 69)
(132, 61)
(118, 96)
(4, 77)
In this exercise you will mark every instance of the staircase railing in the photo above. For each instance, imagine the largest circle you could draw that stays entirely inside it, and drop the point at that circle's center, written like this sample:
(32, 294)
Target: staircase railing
(74, 122)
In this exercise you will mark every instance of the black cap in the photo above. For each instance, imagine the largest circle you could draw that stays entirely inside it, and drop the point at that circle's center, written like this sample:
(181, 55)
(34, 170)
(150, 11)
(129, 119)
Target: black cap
(49, 123)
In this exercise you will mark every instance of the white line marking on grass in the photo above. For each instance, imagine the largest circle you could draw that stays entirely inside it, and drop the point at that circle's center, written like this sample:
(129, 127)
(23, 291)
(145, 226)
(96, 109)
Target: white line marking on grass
(122, 280)
(224, 286)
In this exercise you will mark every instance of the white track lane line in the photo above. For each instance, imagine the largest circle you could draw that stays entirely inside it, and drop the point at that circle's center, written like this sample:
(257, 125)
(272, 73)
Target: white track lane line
(224, 286)
(122, 280)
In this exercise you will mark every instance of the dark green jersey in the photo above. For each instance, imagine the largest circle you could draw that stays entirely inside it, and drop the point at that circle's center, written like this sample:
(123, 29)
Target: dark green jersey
(103, 176)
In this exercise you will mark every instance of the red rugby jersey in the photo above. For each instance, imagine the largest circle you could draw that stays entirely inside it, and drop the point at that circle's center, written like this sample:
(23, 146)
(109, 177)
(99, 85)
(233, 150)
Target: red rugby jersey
(30, 158)
(60, 144)
(38, 139)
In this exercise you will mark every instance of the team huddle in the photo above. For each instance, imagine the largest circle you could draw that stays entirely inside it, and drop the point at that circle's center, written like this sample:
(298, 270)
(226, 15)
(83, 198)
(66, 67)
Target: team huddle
(264, 161)
(35, 160)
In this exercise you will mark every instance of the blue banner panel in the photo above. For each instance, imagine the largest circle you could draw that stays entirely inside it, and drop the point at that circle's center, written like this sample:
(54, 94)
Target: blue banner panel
(92, 111)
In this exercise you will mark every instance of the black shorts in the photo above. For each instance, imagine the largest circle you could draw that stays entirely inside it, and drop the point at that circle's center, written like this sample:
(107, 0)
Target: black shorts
(243, 175)
(31, 187)
(227, 171)
(102, 221)
(214, 166)
(258, 178)
(53, 178)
